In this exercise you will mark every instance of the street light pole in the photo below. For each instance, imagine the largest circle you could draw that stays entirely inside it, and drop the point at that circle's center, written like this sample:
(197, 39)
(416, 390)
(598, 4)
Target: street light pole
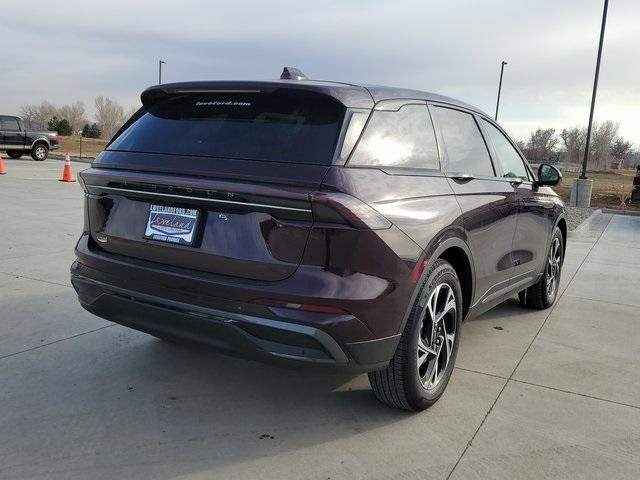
(499, 89)
(595, 89)
(160, 62)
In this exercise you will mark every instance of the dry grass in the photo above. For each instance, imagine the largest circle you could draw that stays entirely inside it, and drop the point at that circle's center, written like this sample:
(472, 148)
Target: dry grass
(91, 147)
(610, 189)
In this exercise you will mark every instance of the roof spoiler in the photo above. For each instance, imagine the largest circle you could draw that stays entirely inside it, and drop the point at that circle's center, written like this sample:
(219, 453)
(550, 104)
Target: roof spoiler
(349, 95)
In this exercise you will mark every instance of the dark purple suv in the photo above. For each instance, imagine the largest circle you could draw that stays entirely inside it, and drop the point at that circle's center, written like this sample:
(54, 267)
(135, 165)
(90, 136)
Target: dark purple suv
(325, 223)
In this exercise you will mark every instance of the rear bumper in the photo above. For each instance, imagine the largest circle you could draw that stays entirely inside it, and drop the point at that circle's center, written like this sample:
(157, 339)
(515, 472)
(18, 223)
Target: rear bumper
(237, 334)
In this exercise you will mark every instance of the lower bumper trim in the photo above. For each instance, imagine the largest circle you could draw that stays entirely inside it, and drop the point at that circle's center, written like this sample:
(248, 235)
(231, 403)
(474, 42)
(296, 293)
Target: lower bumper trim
(221, 329)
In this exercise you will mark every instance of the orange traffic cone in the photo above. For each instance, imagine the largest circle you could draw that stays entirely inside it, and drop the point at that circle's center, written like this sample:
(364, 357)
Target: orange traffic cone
(67, 173)
(2, 172)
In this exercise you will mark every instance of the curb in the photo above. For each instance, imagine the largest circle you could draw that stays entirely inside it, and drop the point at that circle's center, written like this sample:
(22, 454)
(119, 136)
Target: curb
(56, 156)
(585, 223)
(615, 211)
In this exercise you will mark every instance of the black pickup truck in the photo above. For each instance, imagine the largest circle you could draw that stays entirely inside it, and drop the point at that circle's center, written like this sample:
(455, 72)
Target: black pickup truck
(17, 141)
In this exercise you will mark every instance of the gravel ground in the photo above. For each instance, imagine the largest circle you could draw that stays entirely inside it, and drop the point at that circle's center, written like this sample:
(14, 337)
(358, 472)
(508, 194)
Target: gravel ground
(577, 215)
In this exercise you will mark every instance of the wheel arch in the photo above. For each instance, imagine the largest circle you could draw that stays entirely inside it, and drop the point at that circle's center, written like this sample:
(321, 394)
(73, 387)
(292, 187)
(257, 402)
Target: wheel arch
(461, 263)
(561, 223)
(42, 140)
(455, 251)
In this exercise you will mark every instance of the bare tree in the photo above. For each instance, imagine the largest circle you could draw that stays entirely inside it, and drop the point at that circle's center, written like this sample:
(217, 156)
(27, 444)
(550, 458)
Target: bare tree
(36, 117)
(541, 145)
(74, 114)
(29, 114)
(110, 116)
(574, 140)
(602, 137)
(621, 151)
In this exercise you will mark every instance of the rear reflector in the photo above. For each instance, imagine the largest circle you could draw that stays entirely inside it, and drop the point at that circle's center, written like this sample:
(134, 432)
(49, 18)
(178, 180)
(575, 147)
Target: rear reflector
(302, 307)
(417, 271)
(333, 207)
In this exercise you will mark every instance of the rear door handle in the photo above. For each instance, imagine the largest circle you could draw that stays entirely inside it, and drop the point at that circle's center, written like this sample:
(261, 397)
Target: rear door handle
(463, 177)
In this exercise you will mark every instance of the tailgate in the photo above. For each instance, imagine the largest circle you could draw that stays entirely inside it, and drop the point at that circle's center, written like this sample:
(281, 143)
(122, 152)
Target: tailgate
(249, 230)
(233, 166)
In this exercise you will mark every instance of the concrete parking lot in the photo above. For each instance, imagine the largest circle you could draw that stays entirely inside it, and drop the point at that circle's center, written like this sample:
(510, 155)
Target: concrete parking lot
(536, 394)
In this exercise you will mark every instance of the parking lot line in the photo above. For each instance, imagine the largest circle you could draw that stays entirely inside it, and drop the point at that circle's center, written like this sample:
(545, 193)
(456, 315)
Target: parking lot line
(54, 342)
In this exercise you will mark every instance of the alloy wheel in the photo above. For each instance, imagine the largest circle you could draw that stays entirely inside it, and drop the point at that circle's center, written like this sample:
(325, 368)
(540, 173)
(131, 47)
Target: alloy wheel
(553, 267)
(40, 152)
(436, 336)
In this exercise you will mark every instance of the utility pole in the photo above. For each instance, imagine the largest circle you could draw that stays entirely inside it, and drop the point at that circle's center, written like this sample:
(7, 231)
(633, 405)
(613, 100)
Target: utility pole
(160, 62)
(595, 90)
(499, 89)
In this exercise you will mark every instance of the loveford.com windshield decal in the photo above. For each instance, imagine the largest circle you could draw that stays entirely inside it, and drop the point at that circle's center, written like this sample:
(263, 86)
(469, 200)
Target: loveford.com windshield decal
(218, 103)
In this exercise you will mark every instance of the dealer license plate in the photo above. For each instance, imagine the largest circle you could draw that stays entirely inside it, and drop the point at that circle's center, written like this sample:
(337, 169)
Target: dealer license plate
(172, 224)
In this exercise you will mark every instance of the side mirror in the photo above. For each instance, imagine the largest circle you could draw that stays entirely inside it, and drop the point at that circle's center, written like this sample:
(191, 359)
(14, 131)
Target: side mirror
(548, 175)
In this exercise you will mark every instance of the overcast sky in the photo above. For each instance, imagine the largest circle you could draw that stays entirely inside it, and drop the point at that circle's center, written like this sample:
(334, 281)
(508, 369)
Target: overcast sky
(65, 51)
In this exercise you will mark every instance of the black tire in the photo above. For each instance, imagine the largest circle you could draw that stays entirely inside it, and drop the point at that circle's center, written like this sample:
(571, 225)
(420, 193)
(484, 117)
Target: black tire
(401, 384)
(15, 154)
(40, 152)
(539, 296)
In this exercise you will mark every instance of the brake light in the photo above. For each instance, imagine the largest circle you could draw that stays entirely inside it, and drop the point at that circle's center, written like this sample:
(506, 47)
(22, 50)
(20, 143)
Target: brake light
(334, 207)
(302, 307)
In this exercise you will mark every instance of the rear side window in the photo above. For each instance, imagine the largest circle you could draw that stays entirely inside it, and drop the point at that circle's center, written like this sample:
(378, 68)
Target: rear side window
(510, 161)
(356, 124)
(283, 126)
(9, 124)
(398, 139)
(465, 149)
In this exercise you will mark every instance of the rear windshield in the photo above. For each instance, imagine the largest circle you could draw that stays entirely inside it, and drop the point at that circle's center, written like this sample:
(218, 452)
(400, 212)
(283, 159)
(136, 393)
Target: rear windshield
(283, 126)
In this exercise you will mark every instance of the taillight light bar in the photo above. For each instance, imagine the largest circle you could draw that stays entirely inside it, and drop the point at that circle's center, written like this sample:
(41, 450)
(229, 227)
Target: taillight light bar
(335, 207)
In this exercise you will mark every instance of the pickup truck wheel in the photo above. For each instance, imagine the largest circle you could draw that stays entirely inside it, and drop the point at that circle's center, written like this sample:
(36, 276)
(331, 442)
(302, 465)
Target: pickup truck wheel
(14, 154)
(40, 152)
